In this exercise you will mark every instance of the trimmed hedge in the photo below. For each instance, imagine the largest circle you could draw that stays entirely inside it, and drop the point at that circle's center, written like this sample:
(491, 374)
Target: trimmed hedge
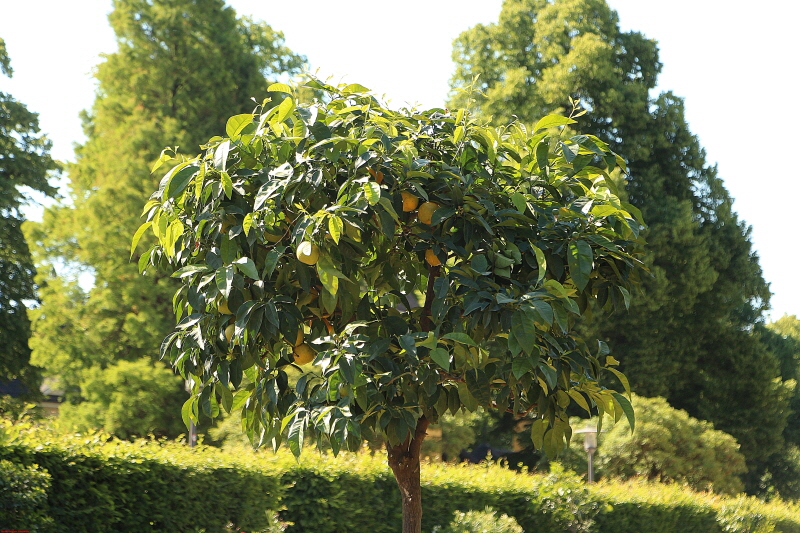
(125, 487)
(103, 487)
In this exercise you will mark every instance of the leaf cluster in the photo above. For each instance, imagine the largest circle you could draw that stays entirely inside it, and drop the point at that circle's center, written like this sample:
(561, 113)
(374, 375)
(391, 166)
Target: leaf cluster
(292, 234)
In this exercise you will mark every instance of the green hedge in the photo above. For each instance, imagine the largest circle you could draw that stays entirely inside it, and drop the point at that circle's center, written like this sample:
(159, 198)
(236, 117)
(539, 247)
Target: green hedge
(124, 487)
(23, 497)
(96, 486)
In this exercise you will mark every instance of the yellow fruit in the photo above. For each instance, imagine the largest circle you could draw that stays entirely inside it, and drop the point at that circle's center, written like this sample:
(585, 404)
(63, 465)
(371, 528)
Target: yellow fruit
(308, 253)
(229, 332)
(303, 354)
(410, 202)
(300, 337)
(431, 258)
(223, 308)
(426, 211)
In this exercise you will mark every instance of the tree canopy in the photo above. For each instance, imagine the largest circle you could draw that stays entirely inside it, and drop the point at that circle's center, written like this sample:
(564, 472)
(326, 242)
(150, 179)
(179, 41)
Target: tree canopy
(180, 69)
(307, 233)
(25, 162)
(690, 338)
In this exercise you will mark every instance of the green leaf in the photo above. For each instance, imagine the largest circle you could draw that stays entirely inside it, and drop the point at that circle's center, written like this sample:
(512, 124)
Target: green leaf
(373, 192)
(296, 431)
(522, 365)
(279, 88)
(189, 411)
(540, 312)
(237, 123)
(227, 184)
(623, 403)
(621, 377)
(578, 398)
(138, 235)
(519, 201)
(335, 228)
(463, 338)
(542, 154)
(285, 108)
(221, 155)
(247, 267)
(538, 429)
(387, 205)
(524, 330)
(224, 279)
(458, 134)
(580, 263)
(541, 263)
(552, 121)
(467, 399)
(441, 357)
(248, 223)
(179, 181)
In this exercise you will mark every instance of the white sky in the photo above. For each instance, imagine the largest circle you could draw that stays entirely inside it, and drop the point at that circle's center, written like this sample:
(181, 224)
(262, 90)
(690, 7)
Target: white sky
(735, 63)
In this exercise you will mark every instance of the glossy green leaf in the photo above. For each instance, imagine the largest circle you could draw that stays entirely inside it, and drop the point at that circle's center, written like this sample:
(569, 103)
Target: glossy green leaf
(552, 121)
(335, 228)
(580, 261)
(373, 192)
(441, 357)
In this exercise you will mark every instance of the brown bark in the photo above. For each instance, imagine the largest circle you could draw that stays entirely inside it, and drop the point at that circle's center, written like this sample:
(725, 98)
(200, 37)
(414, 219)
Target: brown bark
(404, 462)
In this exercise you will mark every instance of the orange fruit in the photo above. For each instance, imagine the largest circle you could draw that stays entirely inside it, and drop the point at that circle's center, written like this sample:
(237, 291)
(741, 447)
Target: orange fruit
(426, 211)
(303, 354)
(410, 202)
(431, 258)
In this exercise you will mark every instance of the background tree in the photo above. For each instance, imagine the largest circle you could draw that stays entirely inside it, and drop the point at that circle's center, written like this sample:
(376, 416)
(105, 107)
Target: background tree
(691, 338)
(128, 399)
(300, 237)
(667, 446)
(24, 162)
(181, 68)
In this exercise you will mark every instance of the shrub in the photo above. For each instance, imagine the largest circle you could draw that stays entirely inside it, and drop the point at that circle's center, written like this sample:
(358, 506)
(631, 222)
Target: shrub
(667, 446)
(485, 521)
(126, 399)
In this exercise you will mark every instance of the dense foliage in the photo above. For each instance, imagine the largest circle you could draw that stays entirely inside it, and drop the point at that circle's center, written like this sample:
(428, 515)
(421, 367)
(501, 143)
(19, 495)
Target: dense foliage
(24, 162)
(691, 337)
(180, 69)
(306, 234)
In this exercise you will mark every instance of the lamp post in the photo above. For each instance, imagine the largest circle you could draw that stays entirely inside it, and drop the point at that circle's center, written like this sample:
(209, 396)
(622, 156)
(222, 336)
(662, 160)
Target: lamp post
(590, 445)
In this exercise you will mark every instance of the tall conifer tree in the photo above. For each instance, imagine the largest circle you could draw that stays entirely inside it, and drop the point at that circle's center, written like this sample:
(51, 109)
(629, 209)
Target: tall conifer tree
(182, 67)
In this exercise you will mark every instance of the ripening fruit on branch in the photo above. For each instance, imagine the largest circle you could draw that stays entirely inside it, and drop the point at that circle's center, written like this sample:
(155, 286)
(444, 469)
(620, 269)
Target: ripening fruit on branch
(229, 332)
(308, 253)
(431, 258)
(303, 354)
(410, 202)
(426, 211)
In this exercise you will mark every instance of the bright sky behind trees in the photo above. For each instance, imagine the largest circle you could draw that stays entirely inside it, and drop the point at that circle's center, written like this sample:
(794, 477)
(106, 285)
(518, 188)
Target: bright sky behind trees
(733, 64)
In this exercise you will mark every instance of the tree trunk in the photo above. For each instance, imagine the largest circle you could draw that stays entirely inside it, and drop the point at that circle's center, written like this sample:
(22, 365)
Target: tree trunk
(404, 462)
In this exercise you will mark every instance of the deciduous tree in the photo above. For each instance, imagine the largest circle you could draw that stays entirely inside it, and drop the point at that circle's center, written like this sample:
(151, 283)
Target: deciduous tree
(180, 69)
(25, 162)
